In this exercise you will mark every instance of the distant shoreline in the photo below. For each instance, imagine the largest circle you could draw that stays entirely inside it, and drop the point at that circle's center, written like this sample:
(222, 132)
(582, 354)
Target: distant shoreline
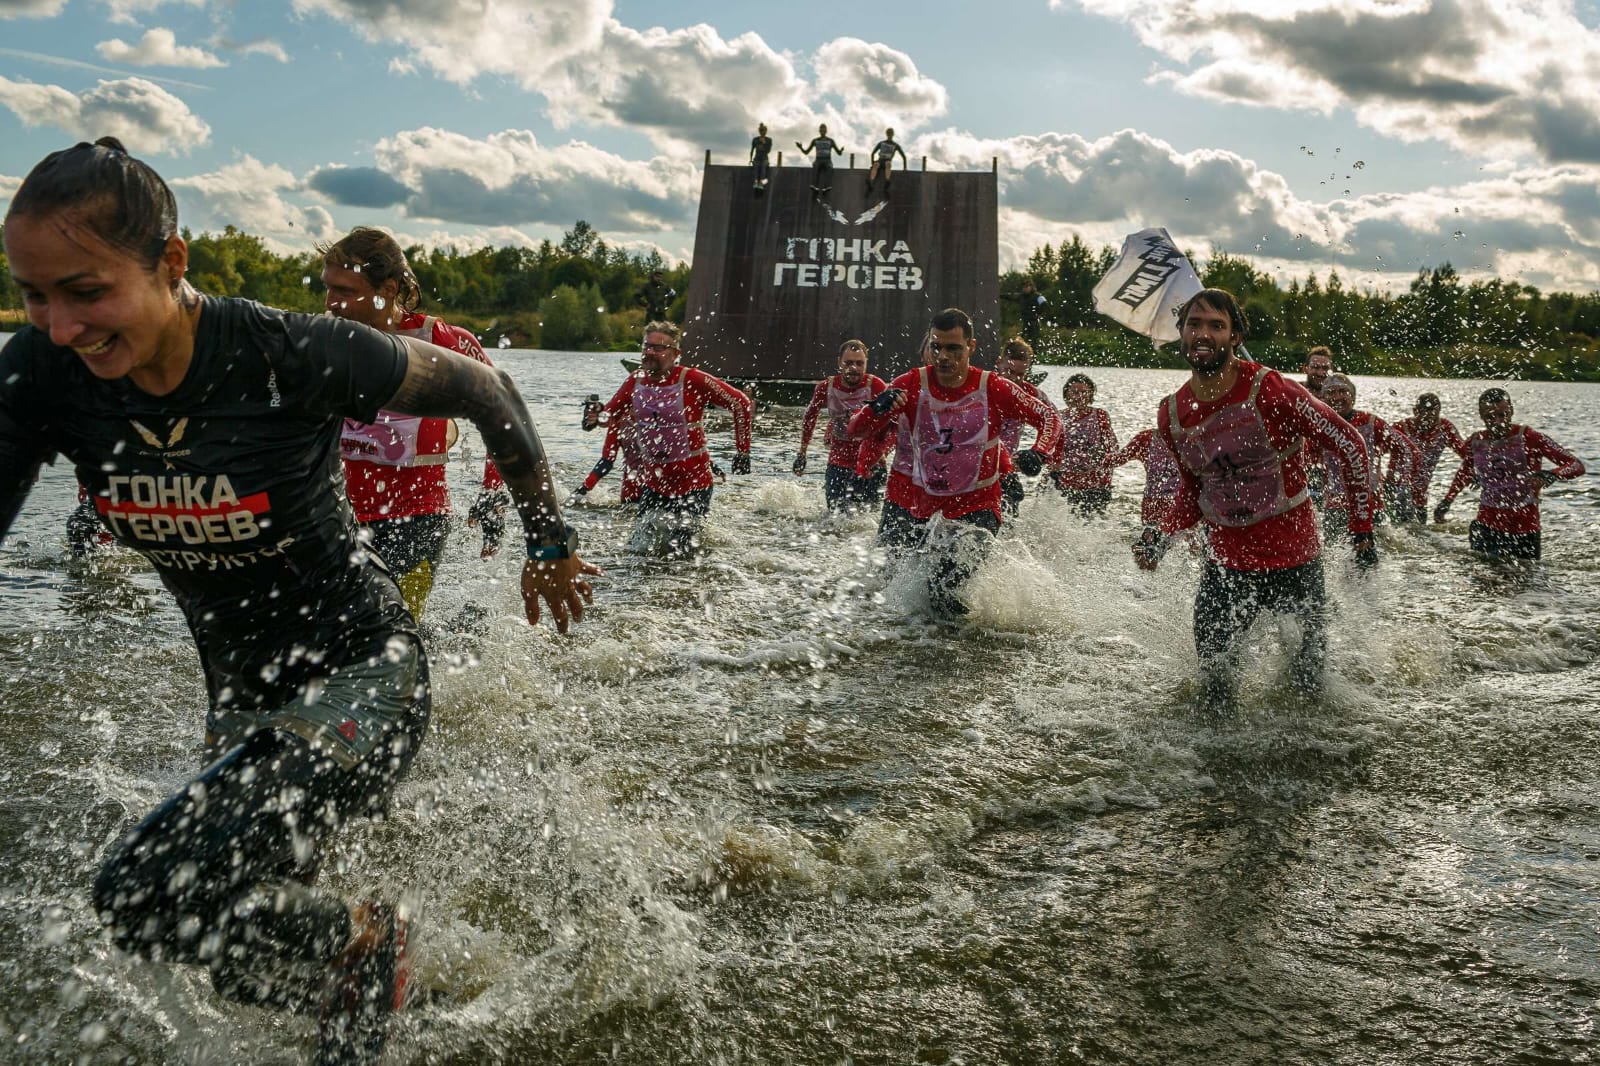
(1098, 347)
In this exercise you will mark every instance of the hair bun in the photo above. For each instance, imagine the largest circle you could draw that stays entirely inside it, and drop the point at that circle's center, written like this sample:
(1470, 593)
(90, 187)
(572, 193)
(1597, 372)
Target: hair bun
(111, 143)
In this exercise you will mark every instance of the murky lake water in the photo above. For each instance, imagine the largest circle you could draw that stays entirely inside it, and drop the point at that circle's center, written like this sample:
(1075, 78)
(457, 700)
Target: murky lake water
(761, 808)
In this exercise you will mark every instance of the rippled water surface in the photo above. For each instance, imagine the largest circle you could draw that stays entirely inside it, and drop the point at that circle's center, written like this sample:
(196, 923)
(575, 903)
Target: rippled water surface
(762, 808)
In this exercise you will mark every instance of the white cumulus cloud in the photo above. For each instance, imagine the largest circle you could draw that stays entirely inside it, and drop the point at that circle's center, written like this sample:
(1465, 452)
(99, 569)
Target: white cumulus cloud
(158, 48)
(145, 116)
(250, 195)
(1485, 76)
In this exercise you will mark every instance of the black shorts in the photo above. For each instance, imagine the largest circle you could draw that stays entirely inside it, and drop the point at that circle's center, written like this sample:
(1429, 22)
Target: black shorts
(406, 543)
(1501, 545)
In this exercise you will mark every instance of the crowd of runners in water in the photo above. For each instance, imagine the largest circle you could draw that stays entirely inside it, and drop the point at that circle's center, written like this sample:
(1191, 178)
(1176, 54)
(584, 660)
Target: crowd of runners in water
(284, 474)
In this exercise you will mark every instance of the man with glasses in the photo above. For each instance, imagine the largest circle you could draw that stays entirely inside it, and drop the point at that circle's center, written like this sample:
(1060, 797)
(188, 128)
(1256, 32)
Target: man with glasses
(953, 413)
(842, 395)
(664, 403)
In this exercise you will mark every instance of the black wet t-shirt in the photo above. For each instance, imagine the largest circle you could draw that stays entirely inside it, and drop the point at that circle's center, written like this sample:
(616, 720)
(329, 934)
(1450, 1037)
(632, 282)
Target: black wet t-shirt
(230, 485)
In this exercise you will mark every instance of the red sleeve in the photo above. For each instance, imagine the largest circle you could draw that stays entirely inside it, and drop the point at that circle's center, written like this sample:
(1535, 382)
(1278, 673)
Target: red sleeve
(1405, 458)
(1108, 439)
(1464, 476)
(1567, 465)
(622, 399)
(720, 394)
(868, 423)
(1009, 401)
(808, 423)
(1137, 449)
(1290, 405)
(1453, 437)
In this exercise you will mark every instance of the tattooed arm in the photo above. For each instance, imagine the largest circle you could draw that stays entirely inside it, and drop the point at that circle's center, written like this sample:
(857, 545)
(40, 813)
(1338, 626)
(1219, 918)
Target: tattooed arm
(443, 384)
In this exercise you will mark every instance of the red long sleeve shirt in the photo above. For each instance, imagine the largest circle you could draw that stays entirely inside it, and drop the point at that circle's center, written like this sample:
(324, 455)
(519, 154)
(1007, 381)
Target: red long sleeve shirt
(1089, 443)
(1538, 447)
(1404, 459)
(1005, 401)
(1432, 445)
(843, 450)
(699, 390)
(1290, 414)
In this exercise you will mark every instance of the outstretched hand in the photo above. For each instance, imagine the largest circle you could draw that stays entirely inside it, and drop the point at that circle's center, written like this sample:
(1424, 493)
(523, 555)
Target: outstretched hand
(560, 583)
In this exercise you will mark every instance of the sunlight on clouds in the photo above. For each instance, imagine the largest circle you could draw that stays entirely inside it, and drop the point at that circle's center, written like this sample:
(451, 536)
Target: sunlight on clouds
(157, 48)
(249, 194)
(145, 116)
(1485, 76)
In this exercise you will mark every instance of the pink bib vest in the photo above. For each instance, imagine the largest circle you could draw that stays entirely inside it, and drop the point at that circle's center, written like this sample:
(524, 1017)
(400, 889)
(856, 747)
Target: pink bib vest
(1240, 472)
(952, 440)
(842, 403)
(1503, 471)
(661, 426)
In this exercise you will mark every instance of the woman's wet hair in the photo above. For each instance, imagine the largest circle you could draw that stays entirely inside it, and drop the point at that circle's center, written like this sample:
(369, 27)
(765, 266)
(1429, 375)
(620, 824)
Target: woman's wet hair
(119, 198)
(378, 257)
(1220, 300)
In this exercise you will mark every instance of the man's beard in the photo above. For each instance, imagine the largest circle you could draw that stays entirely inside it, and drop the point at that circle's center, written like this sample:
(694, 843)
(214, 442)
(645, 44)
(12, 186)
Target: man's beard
(1212, 362)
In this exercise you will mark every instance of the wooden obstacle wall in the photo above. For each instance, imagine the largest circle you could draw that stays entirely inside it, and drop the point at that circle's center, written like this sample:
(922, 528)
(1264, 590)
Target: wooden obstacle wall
(780, 280)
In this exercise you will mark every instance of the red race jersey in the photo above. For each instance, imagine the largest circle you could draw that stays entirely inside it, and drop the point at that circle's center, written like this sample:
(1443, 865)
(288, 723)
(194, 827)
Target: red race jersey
(840, 403)
(913, 483)
(1241, 462)
(1507, 471)
(666, 417)
(1089, 444)
(1432, 445)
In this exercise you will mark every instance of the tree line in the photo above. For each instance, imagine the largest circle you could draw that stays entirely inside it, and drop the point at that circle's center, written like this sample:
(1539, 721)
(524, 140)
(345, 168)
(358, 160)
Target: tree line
(1439, 326)
(583, 293)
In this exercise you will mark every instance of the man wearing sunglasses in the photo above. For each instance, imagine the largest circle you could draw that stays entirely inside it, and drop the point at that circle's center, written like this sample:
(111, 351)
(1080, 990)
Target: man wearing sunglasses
(664, 404)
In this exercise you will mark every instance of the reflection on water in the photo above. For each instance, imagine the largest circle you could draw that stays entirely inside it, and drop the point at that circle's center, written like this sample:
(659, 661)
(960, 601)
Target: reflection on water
(761, 807)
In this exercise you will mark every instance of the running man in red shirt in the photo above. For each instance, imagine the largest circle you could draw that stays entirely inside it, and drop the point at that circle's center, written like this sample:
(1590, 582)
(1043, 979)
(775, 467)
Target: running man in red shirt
(842, 396)
(1084, 476)
(1016, 362)
(665, 402)
(394, 467)
(952, 414)
(1239, 431)
(1431, 434)
(1506, 460)
(1339, 393)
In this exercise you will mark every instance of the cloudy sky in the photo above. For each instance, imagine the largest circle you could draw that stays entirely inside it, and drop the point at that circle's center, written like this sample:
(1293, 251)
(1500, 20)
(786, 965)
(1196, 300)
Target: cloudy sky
(1377, 136)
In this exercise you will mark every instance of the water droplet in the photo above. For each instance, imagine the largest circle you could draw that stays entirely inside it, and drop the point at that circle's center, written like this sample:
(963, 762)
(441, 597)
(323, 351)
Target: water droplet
(306, 279)
(379, 302)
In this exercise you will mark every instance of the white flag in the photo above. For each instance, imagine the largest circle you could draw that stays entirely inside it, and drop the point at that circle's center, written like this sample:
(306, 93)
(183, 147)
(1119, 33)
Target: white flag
(1147, 285)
